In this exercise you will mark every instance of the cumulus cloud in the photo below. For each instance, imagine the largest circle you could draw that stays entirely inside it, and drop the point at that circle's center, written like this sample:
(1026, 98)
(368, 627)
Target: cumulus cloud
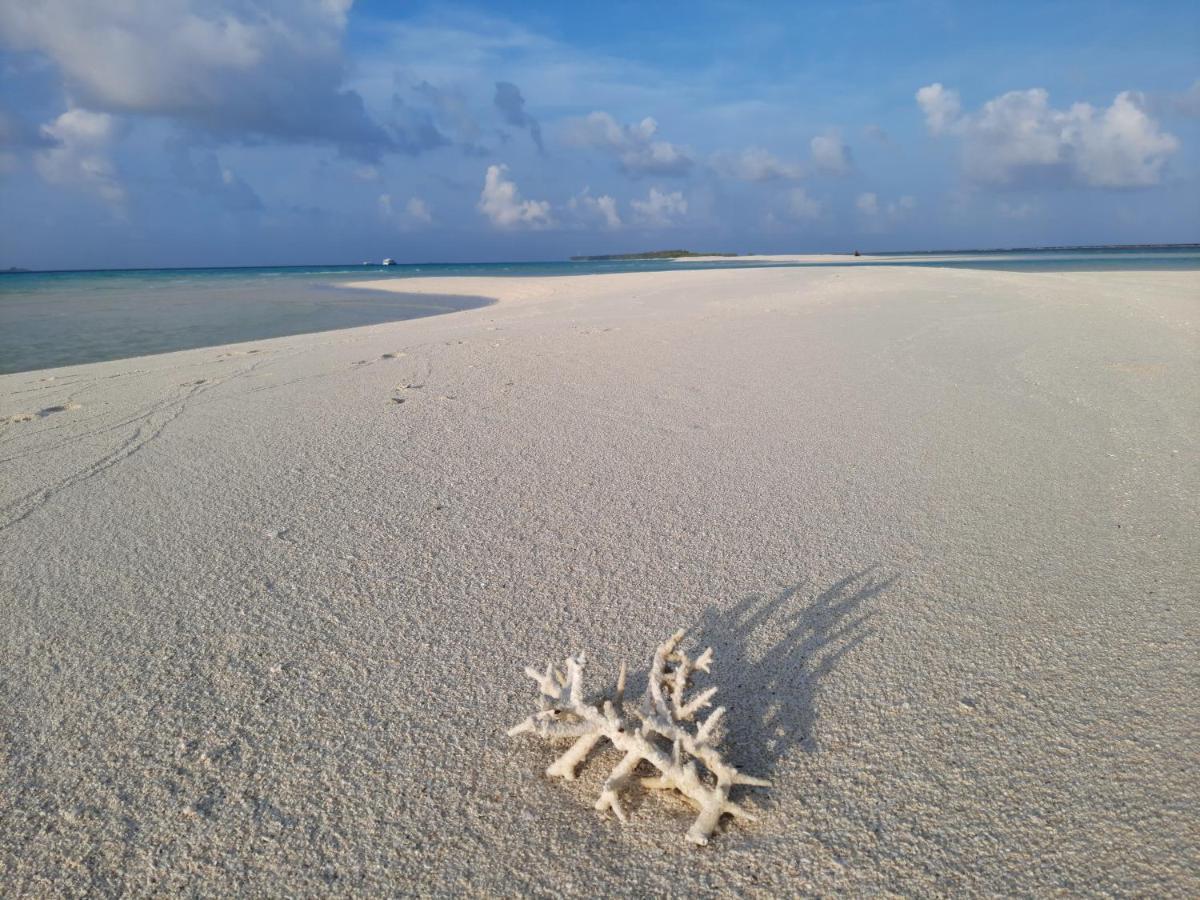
(78, 148)
(511, 104)
(830, 153)
(756, 164)
(635, 147)
(271, 68)
(1019, 136)
(802, 206)
(501, 202)
(602, 209)
(879, 215)
(660, 208)
(942, 107)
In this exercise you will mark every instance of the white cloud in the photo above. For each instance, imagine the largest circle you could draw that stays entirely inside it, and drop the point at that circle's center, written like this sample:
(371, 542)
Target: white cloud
(1019, 136)
(756, 164)
(941, 107)
(271, 67)
(660, 208)
(878, 215)
(501, 202)
(830, 153)
(602, 208)
(634, 146)
(79, 154)
(802, 206)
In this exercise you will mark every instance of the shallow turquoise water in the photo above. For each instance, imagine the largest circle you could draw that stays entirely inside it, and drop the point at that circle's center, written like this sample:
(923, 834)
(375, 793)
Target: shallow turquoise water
(52, 319)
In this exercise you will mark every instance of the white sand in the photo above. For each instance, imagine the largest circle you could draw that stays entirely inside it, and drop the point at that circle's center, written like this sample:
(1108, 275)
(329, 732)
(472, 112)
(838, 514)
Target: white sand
(842, 258)
(262, 627)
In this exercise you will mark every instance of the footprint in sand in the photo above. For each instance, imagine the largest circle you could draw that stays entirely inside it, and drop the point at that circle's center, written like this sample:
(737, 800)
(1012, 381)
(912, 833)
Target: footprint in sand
(40, 414)
(401, 388)
(238, 353)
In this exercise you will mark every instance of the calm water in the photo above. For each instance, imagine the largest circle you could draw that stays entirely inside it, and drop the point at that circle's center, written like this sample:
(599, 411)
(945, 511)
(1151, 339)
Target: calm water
(52, 319)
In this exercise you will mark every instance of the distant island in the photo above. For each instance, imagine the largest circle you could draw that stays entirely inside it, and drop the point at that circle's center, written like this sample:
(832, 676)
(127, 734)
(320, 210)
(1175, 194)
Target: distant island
(652, 254)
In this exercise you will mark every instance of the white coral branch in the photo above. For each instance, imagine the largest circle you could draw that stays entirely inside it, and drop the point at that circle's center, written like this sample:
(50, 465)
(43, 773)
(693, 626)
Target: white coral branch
(661, 738)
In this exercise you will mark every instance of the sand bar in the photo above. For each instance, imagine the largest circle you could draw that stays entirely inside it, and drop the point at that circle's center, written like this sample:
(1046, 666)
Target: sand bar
(265, 607)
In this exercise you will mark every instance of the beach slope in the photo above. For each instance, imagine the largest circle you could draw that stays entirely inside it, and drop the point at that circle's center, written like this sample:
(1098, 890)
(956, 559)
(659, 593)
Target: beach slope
(264, 608)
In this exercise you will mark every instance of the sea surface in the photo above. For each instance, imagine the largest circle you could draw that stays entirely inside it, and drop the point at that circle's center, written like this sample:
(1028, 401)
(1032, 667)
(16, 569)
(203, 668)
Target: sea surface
(50, 319)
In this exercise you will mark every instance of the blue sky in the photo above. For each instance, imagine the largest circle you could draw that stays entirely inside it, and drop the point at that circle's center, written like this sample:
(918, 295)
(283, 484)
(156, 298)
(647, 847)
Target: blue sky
(240, 132)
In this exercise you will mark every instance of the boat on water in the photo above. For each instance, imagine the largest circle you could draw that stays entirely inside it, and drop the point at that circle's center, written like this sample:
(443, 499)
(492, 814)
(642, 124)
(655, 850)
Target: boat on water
(389, 262)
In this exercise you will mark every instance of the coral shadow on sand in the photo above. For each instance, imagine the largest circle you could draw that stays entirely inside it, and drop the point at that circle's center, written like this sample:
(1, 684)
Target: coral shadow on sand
(772, 653)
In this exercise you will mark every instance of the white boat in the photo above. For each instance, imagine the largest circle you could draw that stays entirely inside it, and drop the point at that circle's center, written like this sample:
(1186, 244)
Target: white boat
(389, 262)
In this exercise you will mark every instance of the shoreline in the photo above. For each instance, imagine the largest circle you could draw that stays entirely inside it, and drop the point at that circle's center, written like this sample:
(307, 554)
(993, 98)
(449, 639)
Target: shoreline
(147, 318)
(266, 606)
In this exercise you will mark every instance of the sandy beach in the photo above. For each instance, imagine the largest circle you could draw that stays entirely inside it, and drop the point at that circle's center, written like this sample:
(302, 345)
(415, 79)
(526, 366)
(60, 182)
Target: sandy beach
(264, 608)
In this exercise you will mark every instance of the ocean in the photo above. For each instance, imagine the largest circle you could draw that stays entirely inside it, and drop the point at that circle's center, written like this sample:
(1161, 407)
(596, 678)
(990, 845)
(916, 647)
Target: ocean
(50, 319)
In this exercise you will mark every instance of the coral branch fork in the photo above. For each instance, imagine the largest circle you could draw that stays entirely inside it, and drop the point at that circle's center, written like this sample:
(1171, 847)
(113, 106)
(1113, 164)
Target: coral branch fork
(663, 733)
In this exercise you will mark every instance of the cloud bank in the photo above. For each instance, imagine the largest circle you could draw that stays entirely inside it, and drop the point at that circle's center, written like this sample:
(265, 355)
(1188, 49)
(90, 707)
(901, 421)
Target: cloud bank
(635, 147)
(659, 208)
(1018, 137)
(272, 68)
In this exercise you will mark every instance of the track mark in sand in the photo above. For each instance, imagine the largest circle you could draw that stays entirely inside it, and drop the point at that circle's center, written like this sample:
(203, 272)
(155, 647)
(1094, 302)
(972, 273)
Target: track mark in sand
(367, 362)
(143, 435)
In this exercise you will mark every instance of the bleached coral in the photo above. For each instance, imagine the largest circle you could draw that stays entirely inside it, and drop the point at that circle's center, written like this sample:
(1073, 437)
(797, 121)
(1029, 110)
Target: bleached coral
(665, 734)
